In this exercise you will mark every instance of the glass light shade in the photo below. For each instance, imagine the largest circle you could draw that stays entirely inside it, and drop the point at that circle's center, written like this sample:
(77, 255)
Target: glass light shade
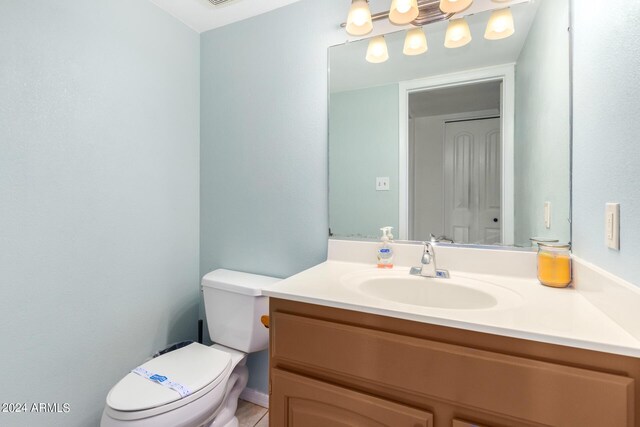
(415, 42)
(403, 12)
(458, 33)
(377, 51)
(454, 6)
(500, 25)
(359, 18)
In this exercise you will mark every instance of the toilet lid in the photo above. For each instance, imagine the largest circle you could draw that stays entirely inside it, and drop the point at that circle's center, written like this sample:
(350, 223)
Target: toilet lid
(193, 367)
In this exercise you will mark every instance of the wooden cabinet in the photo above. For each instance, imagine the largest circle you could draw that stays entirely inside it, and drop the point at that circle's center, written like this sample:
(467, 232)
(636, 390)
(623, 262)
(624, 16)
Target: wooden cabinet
(333, 367)
(298, 401)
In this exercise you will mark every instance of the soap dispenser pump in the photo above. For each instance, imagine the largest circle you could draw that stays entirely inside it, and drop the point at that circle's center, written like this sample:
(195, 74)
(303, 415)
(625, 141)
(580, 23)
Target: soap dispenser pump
(385, 252)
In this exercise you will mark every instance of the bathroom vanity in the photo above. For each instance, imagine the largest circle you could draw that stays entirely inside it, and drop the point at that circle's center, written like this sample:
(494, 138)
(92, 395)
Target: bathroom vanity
(342, 356)
(338, 367)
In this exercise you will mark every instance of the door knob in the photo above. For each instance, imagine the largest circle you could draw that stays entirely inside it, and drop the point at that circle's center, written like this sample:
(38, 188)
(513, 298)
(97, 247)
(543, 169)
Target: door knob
(495, 219)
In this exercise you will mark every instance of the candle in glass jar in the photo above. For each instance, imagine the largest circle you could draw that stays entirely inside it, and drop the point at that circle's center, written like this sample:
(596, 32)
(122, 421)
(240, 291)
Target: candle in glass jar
(554, 264)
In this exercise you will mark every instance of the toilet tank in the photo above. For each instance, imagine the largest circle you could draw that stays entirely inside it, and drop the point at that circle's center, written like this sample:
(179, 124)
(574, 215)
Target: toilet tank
(234, 303)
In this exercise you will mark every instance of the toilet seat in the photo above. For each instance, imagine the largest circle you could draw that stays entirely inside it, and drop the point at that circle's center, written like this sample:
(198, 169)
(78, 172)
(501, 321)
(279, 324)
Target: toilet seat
(199, 368)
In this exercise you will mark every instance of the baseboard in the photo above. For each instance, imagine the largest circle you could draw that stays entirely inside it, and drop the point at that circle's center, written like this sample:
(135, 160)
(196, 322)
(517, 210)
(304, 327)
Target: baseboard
(255, 397)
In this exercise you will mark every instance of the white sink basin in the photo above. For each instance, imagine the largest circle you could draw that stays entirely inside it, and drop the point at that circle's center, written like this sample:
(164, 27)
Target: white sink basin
(455, 293)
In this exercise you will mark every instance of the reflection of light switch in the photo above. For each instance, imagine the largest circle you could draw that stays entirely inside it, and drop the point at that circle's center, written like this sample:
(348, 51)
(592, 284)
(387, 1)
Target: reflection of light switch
(612, 226)
(547, 215)
(382, 183)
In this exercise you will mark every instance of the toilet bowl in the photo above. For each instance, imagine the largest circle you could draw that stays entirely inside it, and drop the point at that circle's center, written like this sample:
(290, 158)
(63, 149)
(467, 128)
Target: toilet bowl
(198, 385)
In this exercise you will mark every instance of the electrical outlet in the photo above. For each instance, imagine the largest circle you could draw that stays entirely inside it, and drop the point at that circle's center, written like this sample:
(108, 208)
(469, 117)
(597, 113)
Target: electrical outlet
(547, 215)
(382, 183)
(612, 226)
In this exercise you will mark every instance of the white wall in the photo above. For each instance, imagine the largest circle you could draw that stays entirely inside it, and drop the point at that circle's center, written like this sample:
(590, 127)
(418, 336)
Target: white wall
(542, 126)
(264, 144)
(363, 145)
(99, 147)
(606, 152)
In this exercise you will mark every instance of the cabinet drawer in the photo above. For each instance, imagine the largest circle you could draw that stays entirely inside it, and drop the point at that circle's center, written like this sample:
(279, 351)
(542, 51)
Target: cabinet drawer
(297, 401)
(530, 390)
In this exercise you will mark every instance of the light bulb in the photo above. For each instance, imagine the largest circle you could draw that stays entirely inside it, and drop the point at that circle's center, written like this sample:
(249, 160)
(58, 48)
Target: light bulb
(359, 18)
(458, 33)
(403, 6)
(377, 51)
(415, 42)
(500, 25)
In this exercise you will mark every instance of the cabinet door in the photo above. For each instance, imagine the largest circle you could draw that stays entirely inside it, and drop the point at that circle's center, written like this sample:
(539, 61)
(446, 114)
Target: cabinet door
(298, 401)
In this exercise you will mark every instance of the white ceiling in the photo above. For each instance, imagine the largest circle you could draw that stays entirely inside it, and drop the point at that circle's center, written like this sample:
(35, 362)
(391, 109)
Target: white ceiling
(203, 16)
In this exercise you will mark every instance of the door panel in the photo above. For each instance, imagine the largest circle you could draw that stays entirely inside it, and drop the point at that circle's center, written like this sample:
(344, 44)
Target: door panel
(472, 182)
(458, 190)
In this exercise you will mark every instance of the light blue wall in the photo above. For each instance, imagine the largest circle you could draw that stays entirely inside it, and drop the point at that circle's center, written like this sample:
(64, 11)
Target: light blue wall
(542, 126)
(363, 145)
(606, 128)
(99, 146)
(264, 144)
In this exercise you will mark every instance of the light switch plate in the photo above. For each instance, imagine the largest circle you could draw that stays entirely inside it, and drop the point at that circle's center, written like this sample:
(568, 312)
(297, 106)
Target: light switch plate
(547, 215)
(382, 183)
(612, 225)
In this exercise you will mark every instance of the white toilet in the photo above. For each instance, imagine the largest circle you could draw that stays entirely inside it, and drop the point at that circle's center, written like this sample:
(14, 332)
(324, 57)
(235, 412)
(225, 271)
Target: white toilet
(198, 385)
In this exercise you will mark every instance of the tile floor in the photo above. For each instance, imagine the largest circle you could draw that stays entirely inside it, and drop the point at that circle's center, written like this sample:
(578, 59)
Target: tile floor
(250, 415)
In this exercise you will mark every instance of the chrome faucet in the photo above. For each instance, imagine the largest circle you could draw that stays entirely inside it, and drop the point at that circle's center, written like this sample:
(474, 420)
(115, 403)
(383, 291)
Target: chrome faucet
(428, 268)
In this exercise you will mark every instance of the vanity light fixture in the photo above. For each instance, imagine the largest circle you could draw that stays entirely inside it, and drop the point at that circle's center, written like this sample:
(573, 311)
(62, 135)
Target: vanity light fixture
(415, 43)
(420, 13)
(377, 51)
(454, 6)
(402, 12)
(500, 25)
(458, 33)
(359, 18)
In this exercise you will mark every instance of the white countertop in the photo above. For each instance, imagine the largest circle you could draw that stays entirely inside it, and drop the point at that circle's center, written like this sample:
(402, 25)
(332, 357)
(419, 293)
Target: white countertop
(556, 316)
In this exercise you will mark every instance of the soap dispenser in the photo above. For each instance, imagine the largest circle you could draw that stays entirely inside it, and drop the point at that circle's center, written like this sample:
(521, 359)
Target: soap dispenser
(385, 252)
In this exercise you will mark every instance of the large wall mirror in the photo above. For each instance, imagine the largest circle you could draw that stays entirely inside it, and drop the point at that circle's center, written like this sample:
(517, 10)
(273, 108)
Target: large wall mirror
(469, 144)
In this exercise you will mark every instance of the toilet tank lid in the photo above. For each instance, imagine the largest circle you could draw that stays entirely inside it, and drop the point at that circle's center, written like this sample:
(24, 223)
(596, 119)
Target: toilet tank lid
(237, 282)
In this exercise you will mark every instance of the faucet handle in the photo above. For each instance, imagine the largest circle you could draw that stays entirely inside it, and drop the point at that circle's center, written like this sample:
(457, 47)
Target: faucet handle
(427, 253)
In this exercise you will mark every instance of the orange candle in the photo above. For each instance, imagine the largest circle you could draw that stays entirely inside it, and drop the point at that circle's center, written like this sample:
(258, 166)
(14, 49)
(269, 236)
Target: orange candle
(554, 265)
